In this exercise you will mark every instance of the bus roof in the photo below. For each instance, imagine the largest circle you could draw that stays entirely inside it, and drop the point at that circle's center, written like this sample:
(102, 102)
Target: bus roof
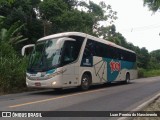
(65, 34)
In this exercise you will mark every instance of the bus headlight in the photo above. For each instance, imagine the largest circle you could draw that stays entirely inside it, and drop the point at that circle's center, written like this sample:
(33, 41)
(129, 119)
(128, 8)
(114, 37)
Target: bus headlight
(53, 83)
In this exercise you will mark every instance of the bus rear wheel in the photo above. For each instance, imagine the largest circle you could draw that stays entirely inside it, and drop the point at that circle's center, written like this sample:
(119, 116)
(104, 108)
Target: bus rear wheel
(127, 78)
(85, 82)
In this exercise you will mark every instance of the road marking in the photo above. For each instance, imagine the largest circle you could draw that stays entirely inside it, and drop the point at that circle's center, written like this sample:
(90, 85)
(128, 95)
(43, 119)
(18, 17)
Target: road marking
(49, 99)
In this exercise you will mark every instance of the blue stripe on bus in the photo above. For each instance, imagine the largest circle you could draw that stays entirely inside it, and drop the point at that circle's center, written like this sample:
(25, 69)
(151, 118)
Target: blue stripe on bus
(50, 71)
(112, 75)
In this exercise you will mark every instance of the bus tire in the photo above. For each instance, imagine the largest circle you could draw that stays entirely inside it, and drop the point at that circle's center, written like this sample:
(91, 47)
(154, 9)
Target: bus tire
(85, 82)
(127, 78)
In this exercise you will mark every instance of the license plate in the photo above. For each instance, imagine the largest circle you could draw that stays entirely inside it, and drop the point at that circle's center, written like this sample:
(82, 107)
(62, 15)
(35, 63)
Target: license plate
(37, 84)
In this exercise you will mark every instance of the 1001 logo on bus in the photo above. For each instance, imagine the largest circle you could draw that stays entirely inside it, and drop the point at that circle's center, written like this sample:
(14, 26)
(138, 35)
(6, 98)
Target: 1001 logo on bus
(115, 66)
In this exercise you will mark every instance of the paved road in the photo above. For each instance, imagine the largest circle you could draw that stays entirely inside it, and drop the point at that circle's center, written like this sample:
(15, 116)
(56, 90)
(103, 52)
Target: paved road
(114, 97)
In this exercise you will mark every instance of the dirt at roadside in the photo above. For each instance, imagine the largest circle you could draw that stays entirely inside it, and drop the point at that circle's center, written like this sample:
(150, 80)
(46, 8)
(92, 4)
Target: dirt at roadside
(155, 106)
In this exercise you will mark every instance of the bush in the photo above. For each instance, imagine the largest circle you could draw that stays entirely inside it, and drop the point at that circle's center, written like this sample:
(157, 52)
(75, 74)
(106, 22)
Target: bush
(152, 73)
(141, 72)
(148, 72)
(12, 70)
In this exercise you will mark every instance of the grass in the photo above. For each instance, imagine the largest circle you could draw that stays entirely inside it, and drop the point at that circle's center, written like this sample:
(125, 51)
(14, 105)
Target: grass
(143, 73)
(151, 73)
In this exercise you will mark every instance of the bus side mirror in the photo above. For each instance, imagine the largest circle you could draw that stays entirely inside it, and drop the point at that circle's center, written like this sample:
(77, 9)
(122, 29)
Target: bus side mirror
(25, 47)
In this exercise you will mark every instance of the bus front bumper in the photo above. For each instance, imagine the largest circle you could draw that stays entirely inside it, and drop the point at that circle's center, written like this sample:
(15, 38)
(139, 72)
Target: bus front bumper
(54, 82)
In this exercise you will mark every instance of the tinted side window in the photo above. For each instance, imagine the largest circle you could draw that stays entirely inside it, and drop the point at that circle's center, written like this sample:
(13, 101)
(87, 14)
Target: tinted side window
(111, 52)
(89, 49)
(128, 56)
(78, 44)
(94, 48)
(69, 54)
(71, 50)
(89, 52)
(133, 57)
(100, 49)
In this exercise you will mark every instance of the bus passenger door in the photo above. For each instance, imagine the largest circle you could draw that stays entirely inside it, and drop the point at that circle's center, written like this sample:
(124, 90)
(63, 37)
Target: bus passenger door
(100, 69)
(68, 62)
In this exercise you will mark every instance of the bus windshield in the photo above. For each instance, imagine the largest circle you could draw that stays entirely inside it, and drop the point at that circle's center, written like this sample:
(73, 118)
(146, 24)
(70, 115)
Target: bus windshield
(46, 55)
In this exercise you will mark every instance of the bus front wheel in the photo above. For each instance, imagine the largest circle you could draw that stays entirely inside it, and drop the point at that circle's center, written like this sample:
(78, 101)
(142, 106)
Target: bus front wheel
(58, 89)
(85, 82)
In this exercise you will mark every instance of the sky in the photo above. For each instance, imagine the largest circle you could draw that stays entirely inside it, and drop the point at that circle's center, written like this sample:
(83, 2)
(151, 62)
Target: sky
(136, 23)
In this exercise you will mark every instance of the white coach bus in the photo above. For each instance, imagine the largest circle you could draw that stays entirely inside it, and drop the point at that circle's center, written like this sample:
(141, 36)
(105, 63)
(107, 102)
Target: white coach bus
(77, 59)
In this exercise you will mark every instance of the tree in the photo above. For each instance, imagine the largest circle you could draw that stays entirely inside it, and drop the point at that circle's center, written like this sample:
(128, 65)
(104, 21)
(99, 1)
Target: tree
(49, 10)
(155, 59)
(154, 5)
(102, 13)
(12, 35)
(12, 66)
(73, 21)
(1, 21)
(46, 17)
(143, 58)
(156, 54)
(9, 2)
(65, 15)
(71, 3)
(25, 12)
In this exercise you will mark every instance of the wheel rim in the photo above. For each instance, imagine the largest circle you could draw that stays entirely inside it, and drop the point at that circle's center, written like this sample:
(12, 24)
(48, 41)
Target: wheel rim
(85, 82)
(127, 79)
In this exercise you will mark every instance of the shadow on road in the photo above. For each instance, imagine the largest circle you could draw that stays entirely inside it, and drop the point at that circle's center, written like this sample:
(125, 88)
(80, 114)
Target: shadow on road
(66, 91)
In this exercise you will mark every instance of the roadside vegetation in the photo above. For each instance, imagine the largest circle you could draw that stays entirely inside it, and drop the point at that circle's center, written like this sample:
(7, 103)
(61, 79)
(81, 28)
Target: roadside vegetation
(144, 73)
(24, 21)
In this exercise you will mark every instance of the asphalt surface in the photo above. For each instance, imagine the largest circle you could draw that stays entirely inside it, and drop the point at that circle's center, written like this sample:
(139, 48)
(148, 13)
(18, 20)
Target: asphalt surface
(113, 97)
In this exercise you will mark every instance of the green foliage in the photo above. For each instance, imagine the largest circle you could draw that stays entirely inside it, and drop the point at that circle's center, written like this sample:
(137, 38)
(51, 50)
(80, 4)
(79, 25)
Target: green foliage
(52, 8)
(46, 17)
(12, 35)
(9, 2)
(71, 3)
(154, 60)
(156, 54)
(12, 67)
(154, 5)
(143, 56)
(65, 15)
(141, 72)
(152, 73)
(25, 12)
(74, 21)
(1, 21)
(12, 70)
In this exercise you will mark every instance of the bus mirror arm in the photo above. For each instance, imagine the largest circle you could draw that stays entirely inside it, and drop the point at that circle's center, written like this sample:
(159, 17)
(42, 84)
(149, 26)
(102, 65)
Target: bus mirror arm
(24, 48)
